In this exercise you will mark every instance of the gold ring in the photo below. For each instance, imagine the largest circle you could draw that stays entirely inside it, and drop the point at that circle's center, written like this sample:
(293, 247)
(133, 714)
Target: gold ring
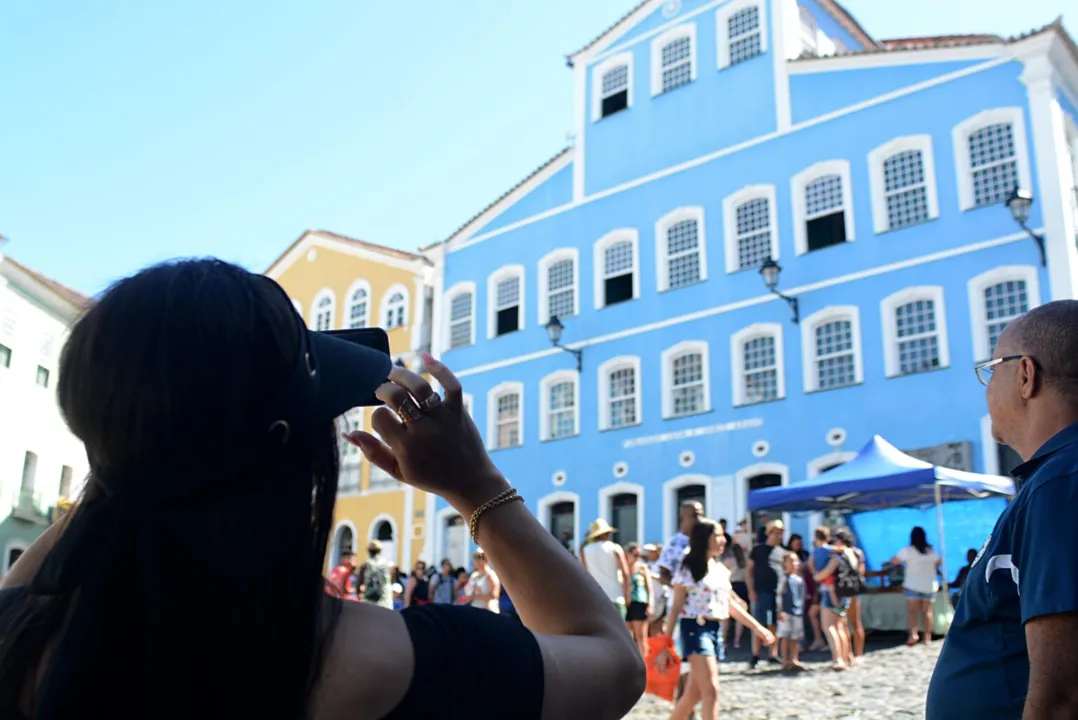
(409, 411)
(429, 403)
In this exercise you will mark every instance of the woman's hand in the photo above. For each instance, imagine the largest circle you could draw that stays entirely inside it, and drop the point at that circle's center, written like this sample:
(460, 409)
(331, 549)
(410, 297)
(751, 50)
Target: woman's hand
(440, 450)
(767, 638)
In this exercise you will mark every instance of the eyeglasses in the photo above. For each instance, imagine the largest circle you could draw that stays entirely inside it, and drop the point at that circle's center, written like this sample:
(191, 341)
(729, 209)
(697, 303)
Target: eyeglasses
(986, 369)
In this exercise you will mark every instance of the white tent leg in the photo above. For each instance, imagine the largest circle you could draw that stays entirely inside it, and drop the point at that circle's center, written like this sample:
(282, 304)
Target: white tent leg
(943, 543)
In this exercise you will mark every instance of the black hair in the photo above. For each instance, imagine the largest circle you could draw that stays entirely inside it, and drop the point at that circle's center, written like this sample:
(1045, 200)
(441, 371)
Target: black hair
(790, 542)
(919, 540)
(699, 547)
(844, 536)
(197, 548)
(761, 535)
(732, 548)
(971, 555)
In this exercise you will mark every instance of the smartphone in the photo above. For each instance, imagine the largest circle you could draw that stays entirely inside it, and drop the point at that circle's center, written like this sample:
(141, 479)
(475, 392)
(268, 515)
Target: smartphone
(375, 339)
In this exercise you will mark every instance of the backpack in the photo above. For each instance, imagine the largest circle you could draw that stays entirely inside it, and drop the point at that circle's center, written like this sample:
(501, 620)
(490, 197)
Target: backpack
(848, 582)
(374, 578)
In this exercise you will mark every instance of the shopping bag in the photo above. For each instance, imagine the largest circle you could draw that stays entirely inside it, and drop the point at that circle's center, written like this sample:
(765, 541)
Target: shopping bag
(662, 683)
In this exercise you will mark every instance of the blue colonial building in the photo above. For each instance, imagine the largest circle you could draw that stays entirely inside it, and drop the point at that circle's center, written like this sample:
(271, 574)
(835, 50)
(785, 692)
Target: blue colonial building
(711, 136)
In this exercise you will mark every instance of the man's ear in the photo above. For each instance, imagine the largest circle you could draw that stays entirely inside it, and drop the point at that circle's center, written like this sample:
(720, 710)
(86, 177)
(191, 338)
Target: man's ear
(1030, 380)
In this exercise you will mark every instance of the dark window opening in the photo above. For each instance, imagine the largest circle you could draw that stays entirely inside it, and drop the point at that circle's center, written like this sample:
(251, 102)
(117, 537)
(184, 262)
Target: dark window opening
(13, 555)
(826, 231)
(623, 517)
(689, 493)
(42, 376)
(615, 103)
(5, 356)
(562, 526)
(384, 532)
(760, 518)
(1008, 459)
(508, 320)
(345, 541)
(619, 289)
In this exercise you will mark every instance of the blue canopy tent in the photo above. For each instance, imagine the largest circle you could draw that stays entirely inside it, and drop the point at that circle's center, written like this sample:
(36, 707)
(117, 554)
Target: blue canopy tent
(881, 476)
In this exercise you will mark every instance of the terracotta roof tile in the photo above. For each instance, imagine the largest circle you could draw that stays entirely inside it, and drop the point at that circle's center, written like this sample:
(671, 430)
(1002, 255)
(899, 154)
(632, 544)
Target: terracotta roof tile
(392, 252)
(848, 21)
(67, 294)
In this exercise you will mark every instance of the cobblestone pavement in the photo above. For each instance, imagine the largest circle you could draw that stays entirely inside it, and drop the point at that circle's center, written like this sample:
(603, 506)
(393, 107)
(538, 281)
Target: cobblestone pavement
(890, 682)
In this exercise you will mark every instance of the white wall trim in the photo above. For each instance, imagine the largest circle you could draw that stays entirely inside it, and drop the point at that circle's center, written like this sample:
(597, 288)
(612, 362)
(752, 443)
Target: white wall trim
(876, 159)
(797, 188)
(597, 73)
(730, 204)
(15, 544)
(662, 246)
(397, 541)
(599, 265)
(758, 300)
(737, 359)
(960, 139)
(618, 363)
(670, 488)
(358, 284)
(978, 312)
(323, 294)
(468, 401)
(384, 306)
(809, 325)
(989, 453)
(891, 303)
(545, 384)
(459, 244)
(505, 388)
(722, 27)
(505, 272)
(668, 357)
(606, 495)
(551, 258)
(441, 518)
(544, 505)
(741, 487)
(683, 30)
(313, 239)
(449, 296)
(813, 66)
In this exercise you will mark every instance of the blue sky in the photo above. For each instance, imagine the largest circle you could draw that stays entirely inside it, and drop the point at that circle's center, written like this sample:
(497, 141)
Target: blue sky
(136, 131)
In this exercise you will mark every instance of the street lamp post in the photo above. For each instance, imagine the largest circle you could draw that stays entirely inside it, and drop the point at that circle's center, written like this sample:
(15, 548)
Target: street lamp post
(1019, 202)
(770, 271)
(553, 331)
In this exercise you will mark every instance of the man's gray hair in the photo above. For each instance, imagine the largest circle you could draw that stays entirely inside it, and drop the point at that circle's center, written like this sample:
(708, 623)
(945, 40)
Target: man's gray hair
(1049, 333)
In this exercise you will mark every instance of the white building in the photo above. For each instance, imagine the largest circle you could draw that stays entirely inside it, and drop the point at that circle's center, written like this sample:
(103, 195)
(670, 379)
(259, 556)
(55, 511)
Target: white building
(40, 460)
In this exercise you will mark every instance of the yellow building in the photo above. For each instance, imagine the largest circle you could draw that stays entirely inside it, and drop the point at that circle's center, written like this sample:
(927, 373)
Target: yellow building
(338, 282)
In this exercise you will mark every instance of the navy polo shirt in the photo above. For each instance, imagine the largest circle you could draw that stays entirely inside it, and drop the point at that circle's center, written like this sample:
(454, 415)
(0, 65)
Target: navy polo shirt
(1025, 570)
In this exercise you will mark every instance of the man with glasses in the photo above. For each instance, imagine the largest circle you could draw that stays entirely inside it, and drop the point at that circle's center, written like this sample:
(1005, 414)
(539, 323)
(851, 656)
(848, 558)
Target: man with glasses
(1012, 650)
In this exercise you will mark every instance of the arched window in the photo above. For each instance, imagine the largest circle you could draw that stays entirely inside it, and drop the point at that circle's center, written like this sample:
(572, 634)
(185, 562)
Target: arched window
(558, 285)
(505, 298)
(460, 300)
(831, 343)
(686, 381)
(681, 248)
(560, 405)
(742, 27)
(395, 307)
(323, 310)
(612, 86)
(673, 59)
(619, 393)
(823, 206)
(991, 156)
(751, 227)
(505, 416)
(617, 277)
(915, 331)
(903, 182)
(359, 305)
(757, 364)
(996, 298)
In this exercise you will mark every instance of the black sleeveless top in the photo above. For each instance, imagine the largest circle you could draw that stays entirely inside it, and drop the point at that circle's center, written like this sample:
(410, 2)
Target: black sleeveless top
(421, 591)
(456, 648)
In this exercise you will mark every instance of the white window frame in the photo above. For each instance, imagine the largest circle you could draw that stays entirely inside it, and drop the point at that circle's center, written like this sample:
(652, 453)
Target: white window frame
(722, 27)
(809, 325)
(675, 33)
(545, 384)
(335, 542)
(878, 184)
(797, 187)
(552, 258)
(505, 388)
(546, 503)
(504, 273)
(730, 204)
(350, 454)
(352, 290)
(891, 303)
(13, 544)
(384, 305)
(606, 495)
(298, 306)
(597, 73)
(612, 237)
(448, 297)
(619, 363)
(397, 540)
(322, 295)
(960, 140)
(737, 359)
(467, 401)
(662, 257)
(668, 356)
(741, 487)
(978, 314)
(670, 488)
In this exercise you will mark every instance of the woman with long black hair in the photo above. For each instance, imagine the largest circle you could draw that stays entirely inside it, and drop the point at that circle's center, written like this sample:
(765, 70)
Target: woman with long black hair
(207, 409)
(919, 582)
(702, 601)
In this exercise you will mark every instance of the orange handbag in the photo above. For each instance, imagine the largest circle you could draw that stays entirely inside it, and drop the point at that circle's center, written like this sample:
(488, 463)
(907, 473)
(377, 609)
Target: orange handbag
(663, 683)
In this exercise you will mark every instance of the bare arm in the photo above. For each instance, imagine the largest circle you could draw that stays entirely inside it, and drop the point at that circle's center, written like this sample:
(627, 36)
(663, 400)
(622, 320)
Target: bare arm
(408, 590)
(828, 571)
(647, 588)
(495, 587)
(748, 579)
(623, 565)
(1053, 668)
(745, 618)
(24, 569)
(665, 577)
(680, 594)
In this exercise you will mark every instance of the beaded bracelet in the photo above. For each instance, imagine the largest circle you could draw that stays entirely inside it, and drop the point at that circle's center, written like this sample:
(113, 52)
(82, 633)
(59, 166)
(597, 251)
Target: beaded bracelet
(502, 498)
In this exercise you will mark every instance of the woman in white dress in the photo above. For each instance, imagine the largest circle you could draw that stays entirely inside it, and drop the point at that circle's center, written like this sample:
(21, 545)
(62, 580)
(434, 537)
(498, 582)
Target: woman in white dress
(919, 583)
(483, 587)
(701, 603)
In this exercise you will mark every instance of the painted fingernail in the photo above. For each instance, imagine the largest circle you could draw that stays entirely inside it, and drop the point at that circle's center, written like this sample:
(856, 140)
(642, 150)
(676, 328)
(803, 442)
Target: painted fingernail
(428, 358)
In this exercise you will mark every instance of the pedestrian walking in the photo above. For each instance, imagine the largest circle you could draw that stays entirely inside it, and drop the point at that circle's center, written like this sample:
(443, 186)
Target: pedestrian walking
(605, 562)
(1010, 651)
(790, 603)
(343, 577)
(375, 578)
(483, 586)
(762, 577)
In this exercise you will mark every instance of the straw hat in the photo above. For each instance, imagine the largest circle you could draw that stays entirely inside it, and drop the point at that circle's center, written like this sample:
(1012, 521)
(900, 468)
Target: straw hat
(775, 525)
(599, 528)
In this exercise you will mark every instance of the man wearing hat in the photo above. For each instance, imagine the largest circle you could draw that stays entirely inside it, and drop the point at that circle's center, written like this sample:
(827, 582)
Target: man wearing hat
(605, 561)
(374, 578)
(762, 577)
